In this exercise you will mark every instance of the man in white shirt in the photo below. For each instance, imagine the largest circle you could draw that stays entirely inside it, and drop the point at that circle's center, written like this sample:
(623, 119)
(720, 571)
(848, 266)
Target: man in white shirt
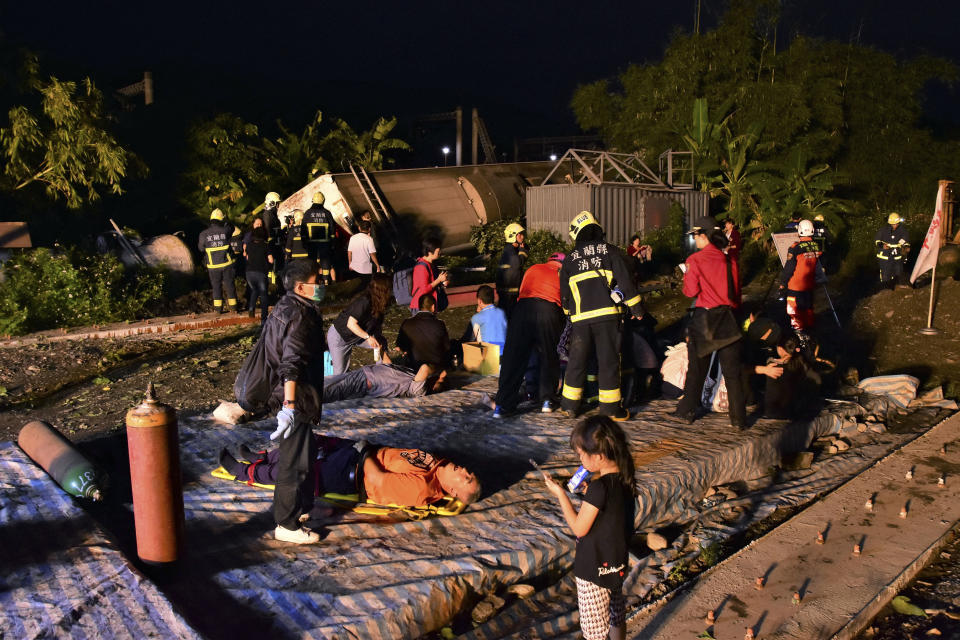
(362, 253)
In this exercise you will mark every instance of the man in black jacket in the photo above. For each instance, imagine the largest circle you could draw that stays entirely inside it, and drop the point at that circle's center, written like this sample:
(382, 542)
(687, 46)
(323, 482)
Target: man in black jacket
(294, 341)
(214, 244)
(423, 339)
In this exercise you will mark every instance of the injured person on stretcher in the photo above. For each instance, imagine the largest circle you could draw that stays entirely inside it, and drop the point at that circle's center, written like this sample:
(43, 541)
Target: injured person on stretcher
(382, 475)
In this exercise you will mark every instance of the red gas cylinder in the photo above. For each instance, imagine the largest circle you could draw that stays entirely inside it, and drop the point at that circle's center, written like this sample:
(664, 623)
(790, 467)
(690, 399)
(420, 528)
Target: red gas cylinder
(153, 440)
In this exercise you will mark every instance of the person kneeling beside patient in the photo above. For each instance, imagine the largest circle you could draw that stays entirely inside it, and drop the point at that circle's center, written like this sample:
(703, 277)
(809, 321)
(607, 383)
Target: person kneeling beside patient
(385, 475)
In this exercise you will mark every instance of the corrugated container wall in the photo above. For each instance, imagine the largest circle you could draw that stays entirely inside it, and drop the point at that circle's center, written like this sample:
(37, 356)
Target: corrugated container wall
(621, 209)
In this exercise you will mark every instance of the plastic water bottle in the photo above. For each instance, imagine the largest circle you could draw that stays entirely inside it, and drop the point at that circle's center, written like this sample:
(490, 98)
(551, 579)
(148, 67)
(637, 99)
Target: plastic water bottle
(577, 480)
(376, 354)
(327, 364)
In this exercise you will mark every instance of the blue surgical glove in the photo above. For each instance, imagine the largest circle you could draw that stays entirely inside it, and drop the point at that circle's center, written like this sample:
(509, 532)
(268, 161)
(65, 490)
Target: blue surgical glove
(285, 422)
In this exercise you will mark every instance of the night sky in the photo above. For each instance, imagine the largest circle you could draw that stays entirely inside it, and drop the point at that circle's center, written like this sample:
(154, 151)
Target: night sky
(518, 62)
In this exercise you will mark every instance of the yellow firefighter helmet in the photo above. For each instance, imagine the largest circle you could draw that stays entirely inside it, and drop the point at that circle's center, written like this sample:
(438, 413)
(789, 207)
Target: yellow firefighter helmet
(583, 219)
(511, 232)
(272, 199)
(894, 218)
(216, 214)
(319, 198)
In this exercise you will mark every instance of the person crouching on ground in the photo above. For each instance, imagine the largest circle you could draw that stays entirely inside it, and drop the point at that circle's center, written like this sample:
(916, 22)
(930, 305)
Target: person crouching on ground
(360, 324)
(603, 526)
(712, 278)
(293, 337)
(385, 475)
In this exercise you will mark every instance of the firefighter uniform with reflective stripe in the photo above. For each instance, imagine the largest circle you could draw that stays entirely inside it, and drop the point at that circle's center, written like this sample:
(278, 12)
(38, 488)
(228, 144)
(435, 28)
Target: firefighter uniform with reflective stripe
(318, 224)
(214, 244)
(892, 247)
(296, 245)
(799, 278)
(510, 275)
(588, 276)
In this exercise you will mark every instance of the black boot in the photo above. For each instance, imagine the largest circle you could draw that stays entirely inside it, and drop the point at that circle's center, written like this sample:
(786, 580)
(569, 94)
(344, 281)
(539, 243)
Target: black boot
(232, 465)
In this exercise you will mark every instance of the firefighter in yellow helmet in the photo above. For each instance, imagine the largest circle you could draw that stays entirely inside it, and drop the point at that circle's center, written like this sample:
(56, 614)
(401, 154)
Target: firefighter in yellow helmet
(296, 245)
(893, 245)
(214, 244)
(318, 224)
(596, 290)
(510, 273)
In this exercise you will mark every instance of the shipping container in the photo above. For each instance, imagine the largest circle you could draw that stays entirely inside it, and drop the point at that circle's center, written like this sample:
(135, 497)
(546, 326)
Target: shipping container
(621, 209)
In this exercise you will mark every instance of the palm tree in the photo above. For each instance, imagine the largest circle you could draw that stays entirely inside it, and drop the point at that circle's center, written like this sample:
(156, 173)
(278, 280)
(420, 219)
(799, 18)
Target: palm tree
(366, 149)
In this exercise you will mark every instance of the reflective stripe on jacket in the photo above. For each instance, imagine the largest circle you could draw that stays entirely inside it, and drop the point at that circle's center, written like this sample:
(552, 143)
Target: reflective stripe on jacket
(588, 275)
(214, 244)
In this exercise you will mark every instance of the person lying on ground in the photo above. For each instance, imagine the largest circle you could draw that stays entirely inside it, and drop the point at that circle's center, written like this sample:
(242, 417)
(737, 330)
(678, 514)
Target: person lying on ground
(377, 380)
(385, 475)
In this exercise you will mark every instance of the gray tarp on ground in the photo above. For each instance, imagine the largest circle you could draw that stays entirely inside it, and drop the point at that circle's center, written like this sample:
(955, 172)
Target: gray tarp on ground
(371, 578)
(60, 575)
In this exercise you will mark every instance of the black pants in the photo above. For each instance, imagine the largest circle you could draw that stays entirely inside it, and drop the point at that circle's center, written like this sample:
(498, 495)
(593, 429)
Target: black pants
(535, 326)
(891, 271)
(221, 281)
(257, 289)
(293, 494)
(731, 362)
(335, 467)
(602, 340)
(507, 300)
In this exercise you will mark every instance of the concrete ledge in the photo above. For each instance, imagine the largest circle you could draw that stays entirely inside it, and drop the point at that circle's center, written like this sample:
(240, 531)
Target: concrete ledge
(840, 592)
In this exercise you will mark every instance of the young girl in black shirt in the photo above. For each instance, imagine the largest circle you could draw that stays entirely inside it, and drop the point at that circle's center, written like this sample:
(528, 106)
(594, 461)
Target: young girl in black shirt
(603, 525)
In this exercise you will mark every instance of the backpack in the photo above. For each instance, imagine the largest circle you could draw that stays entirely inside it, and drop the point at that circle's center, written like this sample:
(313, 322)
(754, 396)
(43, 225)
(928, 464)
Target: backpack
(253, 387)
(403, 286)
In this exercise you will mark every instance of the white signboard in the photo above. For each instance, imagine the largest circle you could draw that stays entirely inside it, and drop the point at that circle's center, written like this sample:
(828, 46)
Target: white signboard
(783, 241)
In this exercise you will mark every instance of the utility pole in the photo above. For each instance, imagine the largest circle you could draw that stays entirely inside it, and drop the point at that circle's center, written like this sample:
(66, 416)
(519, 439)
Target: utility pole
(459, 112)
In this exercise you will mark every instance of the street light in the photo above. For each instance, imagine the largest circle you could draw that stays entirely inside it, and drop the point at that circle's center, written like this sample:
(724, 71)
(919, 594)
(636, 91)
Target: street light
(446, 152)
(553, 157)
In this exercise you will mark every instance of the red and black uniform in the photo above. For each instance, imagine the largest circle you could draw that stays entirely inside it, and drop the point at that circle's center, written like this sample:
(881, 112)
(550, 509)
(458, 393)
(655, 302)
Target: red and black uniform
(535, 326)
(714, 280)
(319, 225)
(590, 273)
(214, 244)
(510, 275)
(799, 278)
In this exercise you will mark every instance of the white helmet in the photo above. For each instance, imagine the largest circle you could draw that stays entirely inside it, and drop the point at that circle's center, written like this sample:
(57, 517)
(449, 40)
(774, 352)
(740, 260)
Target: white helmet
(805, 229)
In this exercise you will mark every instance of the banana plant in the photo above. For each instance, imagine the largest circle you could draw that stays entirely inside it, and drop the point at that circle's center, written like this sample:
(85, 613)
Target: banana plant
(365, 149)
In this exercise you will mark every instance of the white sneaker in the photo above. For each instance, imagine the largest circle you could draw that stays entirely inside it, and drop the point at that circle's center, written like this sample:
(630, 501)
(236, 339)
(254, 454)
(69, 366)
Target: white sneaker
(296, 536)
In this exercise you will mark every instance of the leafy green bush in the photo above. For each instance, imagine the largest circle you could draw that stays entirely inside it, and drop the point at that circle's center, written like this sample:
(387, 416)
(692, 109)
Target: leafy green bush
(46, 290)
(488, 240)
(667, 241)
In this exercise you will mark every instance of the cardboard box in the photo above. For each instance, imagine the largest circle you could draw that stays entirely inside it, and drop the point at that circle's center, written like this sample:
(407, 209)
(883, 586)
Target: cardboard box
(482, 358)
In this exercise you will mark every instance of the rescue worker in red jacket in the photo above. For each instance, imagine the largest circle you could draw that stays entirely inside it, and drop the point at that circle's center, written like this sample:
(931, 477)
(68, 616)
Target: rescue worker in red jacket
(214, 244)
(800, 276)
(595, 286)
(534, 328)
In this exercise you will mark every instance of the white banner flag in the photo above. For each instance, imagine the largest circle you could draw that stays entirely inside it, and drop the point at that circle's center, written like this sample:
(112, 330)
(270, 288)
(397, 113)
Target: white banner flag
(930, 250)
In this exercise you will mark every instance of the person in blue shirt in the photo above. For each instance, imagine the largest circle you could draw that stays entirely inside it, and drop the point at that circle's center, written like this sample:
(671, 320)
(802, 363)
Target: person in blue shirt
(489, 323)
